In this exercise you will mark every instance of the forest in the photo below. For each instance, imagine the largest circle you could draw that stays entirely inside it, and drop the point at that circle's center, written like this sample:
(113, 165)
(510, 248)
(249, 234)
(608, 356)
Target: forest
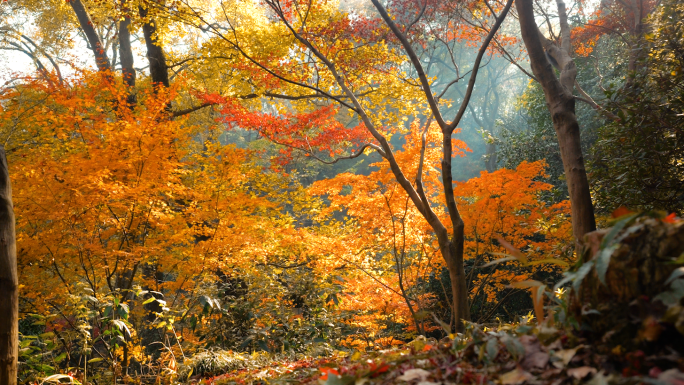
(340, 192)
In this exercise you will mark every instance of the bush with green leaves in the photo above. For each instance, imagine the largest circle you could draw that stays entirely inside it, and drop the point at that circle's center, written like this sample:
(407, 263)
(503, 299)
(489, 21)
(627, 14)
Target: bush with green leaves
(639, 162)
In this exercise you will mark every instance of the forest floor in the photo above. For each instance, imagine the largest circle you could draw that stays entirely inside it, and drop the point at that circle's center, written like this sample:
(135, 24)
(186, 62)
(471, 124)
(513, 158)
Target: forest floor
(619, 325)
(509, 355)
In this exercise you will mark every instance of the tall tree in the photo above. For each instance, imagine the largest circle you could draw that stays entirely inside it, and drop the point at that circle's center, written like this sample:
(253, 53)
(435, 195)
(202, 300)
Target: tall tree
(159, 72)
(9, 285)
(561, 104)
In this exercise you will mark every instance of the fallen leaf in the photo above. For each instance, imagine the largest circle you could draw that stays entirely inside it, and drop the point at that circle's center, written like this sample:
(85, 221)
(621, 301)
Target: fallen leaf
(650, 329)
(567, 354)
(672, 218)
(516, 376)
(600, 379)
(672, 377)
(535, 360)
(414, 374)
(327, 371)
(581, 372)
(534, 357)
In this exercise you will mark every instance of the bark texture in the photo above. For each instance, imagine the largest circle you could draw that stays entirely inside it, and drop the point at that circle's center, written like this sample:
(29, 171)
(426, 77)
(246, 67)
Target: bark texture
(561, 104)
(88, 28)
(158, 68)
(126, 55)
(9, 284)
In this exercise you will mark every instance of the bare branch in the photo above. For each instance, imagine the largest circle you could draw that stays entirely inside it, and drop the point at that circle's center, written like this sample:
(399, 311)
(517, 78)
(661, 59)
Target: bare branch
(476, 65)
(92, 36)
(190, 110)
(588, 99)
(242, 52)
(425, 84)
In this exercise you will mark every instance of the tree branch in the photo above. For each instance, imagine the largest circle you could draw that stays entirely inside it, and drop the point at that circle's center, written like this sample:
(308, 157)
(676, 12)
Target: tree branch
(588, 99)
(101, 59)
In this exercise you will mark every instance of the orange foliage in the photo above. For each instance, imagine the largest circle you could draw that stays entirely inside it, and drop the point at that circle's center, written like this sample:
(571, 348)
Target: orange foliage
(508, 203)
(103, 191)
(387, 233)
(612, 17)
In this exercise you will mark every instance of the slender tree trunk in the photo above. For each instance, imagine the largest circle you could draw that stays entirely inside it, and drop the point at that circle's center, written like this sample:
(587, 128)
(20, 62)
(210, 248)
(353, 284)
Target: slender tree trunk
(126, 55)
(490, 157)
(158, 69)
(636, 50)
(561, 104)
(88, 28)
(453, 254)
(9, 283)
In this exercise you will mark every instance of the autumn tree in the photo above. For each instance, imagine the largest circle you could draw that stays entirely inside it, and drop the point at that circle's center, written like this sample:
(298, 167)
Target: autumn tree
(507, 207)
(389, 236)
(333, 65)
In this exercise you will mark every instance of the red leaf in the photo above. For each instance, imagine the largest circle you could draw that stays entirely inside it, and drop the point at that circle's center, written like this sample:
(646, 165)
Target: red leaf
(620, 212)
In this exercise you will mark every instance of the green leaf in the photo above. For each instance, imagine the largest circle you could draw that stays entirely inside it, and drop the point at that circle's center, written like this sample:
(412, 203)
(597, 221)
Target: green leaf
(674, 295)
(60, 357)
(603, 261)
(333, 379)
(492, 349)
(580, 274)
(206, 301)
(619, 225)
(262, 344)
(444, 325)
(514, 347)
(121, 325)
(91, 299)
(609, 248)
(94, 360)
(44, 368)
(675, 274)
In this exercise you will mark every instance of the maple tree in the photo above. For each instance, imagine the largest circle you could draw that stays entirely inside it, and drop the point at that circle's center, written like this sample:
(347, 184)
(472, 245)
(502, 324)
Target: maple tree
(389, 241)
(335, 68)
(114, 203)
(508, 206)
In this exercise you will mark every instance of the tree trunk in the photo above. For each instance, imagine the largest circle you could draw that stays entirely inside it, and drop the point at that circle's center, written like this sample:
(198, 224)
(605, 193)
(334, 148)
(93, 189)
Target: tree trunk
(490, 157)
(126, 55)
(561, 104)
(158, 69)
(88, 28)
(452, 252)
(9, 285)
